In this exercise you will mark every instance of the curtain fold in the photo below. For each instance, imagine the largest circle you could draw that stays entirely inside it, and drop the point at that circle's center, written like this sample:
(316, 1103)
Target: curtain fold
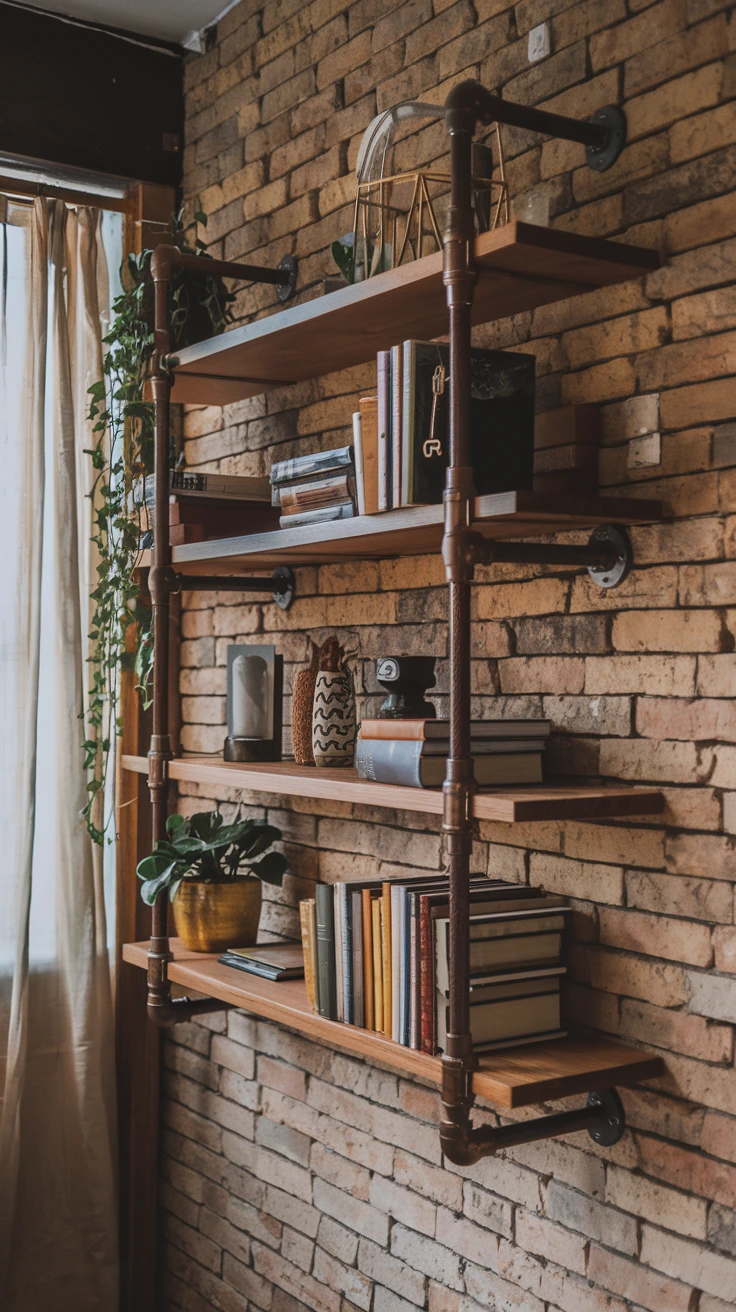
(58, 1226)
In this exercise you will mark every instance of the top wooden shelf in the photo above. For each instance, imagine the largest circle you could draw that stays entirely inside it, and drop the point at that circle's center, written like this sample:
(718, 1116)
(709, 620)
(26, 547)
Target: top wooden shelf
(520, 266)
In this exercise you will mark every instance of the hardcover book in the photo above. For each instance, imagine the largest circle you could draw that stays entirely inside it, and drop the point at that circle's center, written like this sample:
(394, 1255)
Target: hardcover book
(270, 961)
(387, 761)
(501, 421)
(428, 730)
(326, 982)
(320, 515)
(318, 463)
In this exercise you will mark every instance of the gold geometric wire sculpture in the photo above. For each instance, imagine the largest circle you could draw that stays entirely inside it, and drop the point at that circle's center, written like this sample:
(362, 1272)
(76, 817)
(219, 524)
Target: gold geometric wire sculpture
(397, 228)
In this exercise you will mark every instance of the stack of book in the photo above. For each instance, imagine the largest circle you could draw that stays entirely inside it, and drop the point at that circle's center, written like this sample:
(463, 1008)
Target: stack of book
(205, 505)
(414, 753)
(315, 488)
(376, 956)
(404, 430)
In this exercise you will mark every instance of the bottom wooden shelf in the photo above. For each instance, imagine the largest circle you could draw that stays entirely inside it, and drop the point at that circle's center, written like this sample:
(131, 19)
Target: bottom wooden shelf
(515, 1077)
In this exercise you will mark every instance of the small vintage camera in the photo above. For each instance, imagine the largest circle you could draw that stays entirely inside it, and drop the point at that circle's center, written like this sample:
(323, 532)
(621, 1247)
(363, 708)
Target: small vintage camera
(406, 679)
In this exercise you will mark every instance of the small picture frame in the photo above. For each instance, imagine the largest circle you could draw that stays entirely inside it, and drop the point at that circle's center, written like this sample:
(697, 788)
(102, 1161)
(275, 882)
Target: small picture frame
(254, 692)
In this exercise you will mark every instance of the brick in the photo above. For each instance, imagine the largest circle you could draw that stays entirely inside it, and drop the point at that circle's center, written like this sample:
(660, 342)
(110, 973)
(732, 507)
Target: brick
(395, 1275)
(675, 1030)
(424, 1255)
(542, 674)
(658, 936)
(288, 1277)
(487, 1209)
(696, 899)
(719, 1136)
(714, 996)
(579, 879)
(660, 983)
(657, 676)
(681, 1257)
(724, 942)
(674, 1209)
(707, 855)
(639, 759)
(594, 1219)
(537, 1235)
(650, 1289)
(537, 597)
(359, 1216)
(329, 1271)
(667, 631)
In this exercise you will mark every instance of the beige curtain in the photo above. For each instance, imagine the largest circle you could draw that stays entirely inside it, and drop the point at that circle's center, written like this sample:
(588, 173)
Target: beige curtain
(58, 1226)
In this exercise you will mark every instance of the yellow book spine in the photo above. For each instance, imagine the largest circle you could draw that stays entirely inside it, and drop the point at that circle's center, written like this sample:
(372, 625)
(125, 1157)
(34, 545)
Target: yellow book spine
(377, 966)
(368, 1000)
(387, 970)
(308, 928)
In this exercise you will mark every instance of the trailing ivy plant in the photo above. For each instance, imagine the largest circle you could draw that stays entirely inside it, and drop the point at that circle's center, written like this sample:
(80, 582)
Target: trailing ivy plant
(122, 459)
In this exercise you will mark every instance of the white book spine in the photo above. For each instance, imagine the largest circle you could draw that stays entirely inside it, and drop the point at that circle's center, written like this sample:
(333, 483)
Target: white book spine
(358, 447)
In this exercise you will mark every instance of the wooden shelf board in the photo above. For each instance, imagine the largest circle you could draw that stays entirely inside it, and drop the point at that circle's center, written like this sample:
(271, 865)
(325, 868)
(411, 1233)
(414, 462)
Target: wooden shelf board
(516, 1077)
(413, 531)
(521, 266)
(508, 805)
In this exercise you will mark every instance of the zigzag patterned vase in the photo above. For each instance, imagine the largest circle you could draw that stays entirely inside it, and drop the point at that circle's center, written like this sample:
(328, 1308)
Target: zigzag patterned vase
(333, 720)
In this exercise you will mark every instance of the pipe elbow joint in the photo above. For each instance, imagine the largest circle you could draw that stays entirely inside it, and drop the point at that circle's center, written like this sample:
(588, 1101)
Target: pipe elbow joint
(468, 103)
(163, 260)
(464, 1145)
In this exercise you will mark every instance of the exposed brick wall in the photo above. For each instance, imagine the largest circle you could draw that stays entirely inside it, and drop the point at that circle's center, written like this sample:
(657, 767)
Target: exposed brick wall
(296, 1177)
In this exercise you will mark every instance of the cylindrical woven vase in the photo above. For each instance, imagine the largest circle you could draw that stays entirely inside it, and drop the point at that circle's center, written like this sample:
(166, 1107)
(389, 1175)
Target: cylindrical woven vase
(333, 720)
(302, 704)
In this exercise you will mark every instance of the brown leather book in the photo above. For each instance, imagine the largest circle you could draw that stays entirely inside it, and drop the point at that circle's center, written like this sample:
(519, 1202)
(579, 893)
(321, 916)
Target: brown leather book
(309, 938)
(368, 991)
(368, 406)
(386, 963)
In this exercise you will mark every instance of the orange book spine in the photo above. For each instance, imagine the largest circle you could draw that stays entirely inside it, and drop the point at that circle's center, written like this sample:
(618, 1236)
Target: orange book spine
(309, 937)
(368, 406)
(377, 966)
(368, 1000)
(386, 972)
(412, 730)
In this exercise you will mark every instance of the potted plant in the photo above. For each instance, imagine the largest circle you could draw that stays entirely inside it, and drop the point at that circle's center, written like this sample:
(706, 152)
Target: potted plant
(213, 878)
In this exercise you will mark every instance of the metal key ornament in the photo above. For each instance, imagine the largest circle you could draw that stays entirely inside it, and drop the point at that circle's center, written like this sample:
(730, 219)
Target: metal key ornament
(432, 445)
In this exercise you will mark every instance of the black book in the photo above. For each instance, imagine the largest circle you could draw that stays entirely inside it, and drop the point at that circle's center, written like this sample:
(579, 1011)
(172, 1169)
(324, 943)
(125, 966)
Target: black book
(501, 421)
(327, 982)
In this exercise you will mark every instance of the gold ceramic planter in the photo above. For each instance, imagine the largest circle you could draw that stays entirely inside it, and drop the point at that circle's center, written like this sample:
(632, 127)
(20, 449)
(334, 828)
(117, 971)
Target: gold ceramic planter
(213, 917)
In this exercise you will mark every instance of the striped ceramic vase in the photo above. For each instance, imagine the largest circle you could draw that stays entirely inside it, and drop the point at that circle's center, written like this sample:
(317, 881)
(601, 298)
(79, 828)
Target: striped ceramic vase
(333, 720)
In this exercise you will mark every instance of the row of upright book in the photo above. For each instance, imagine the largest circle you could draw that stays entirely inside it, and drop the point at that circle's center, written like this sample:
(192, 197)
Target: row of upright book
(401, 435)
(376, 955)
(414, 753)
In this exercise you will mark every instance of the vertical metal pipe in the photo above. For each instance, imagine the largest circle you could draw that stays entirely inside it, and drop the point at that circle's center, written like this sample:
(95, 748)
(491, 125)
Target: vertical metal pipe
(160, 584)
(459, 784)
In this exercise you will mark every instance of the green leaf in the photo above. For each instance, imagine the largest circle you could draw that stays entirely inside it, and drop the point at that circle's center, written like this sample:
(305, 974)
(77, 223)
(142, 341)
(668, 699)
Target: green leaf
(271, 868)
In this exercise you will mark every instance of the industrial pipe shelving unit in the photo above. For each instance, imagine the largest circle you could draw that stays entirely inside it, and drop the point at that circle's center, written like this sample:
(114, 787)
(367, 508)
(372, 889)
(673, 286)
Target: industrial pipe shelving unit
(513, 268)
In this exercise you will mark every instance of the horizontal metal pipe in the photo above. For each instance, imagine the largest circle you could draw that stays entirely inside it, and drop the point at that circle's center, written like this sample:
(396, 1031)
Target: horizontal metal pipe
(173, 1011)
(228, 583)
(537, 553)
(471, 98)
(221, 268)
(548, 1127)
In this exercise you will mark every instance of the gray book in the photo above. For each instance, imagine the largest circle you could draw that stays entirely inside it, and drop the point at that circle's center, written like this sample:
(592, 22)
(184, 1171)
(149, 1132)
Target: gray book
(325, 916)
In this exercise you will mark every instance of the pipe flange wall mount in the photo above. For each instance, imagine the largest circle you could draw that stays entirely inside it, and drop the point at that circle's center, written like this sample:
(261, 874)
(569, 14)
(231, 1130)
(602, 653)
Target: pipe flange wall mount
(622, 557)
(614, 1124)
(601, 156)
(286, 290)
